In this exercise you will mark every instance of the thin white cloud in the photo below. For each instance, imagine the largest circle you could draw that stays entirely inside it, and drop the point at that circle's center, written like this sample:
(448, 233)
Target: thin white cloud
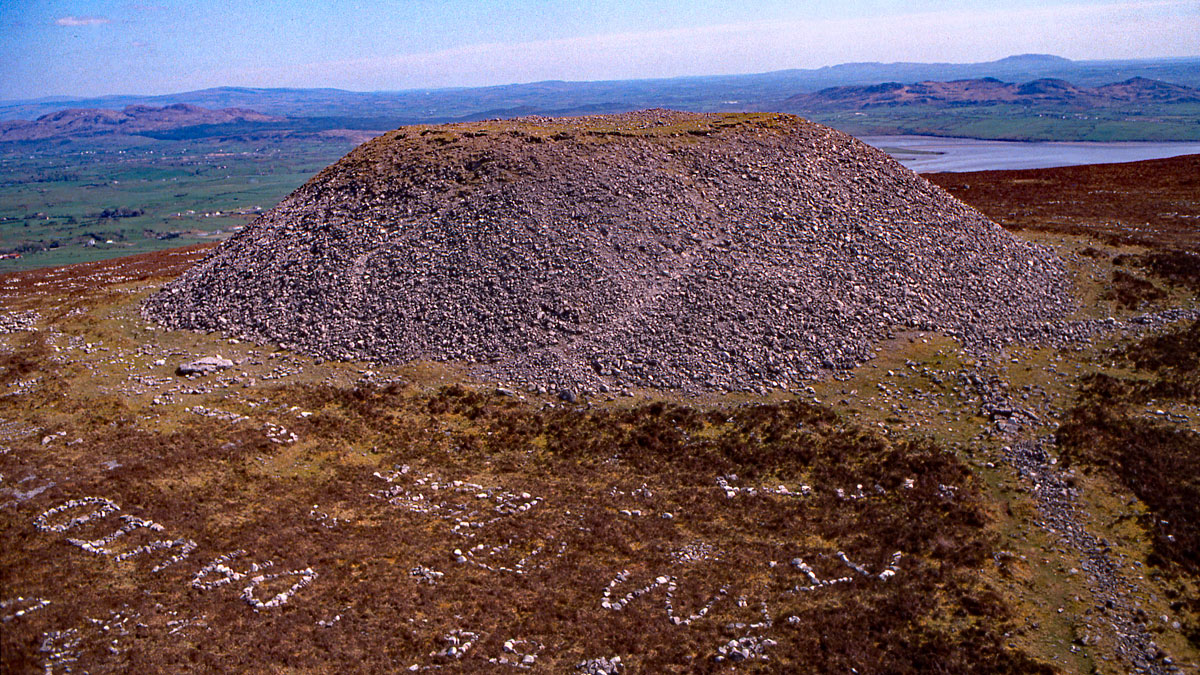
(80, 20)
(1129, 29)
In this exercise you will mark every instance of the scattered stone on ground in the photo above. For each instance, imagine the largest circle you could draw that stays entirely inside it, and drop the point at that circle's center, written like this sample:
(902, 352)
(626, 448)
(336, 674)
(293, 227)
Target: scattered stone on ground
(1112, 588)
(15, 322)
(601, 666)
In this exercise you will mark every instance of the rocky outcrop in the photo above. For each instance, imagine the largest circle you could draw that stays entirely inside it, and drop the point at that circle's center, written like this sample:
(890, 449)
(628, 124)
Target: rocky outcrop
(655, 249)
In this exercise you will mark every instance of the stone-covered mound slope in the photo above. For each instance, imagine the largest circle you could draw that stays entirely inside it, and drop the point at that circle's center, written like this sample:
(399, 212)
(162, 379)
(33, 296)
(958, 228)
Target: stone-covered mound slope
(657, 248)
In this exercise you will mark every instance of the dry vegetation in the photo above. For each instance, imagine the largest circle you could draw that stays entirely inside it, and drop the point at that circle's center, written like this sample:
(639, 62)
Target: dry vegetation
(217, 485)
(279, 457)
(1121, 426)
(1151, 203)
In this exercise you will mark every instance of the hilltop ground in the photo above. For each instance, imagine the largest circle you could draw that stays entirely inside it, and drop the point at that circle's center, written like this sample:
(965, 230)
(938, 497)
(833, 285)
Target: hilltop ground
(1030, 511)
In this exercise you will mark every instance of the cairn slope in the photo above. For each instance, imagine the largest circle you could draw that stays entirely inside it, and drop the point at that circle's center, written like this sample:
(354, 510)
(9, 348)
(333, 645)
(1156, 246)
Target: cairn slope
(657, 249)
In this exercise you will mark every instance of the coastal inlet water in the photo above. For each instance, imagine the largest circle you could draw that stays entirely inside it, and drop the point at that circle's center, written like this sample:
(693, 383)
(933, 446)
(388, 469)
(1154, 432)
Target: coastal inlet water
(925, 154)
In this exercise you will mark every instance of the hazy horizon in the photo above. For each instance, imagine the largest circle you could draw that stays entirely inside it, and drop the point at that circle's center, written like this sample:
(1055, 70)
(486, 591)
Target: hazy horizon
(99, 48)
(533, 82)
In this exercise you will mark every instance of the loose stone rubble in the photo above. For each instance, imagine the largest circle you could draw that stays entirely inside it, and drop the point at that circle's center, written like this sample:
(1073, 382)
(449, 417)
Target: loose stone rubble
(25, 606)
(458, 643)
(15, 322)
(607, 602)
(323, 518)
(672, 587)
(654, 249)
(695, 552)
(133, 523)
(177, 626)
(601, 666)
(61, 649)
(732, 491)
(485, 557)
(279, 435)
(425, 575)
(818, 583)
(225, 574)
(331, 622)
(745, 648)
(307, 576)
(1114, 588)
(99, 507)
(469, 506)
(106, 506)
(233, 418)
(519, 654)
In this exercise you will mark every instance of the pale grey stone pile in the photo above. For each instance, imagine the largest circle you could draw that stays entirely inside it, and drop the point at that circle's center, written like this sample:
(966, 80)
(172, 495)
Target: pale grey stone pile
(580, 256)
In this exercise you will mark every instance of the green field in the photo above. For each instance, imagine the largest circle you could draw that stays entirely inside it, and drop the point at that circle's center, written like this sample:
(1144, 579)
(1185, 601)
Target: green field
(1162, 123)
(74, 201)
(81, 201)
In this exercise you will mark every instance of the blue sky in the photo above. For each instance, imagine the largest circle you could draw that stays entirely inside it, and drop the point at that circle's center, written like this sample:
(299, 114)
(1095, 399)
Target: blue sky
(76, 47)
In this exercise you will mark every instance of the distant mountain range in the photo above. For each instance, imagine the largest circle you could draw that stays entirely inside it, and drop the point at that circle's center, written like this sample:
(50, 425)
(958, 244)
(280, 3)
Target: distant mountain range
(133, 120)
(989, 90)
(763, 91)
(1136, 100)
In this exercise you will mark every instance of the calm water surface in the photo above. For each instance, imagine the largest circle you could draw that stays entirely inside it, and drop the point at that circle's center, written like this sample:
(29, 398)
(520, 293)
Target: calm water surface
(931, 153)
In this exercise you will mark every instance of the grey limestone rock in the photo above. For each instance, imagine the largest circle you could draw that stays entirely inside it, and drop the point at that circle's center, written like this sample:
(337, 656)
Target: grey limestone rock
(204, 366)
